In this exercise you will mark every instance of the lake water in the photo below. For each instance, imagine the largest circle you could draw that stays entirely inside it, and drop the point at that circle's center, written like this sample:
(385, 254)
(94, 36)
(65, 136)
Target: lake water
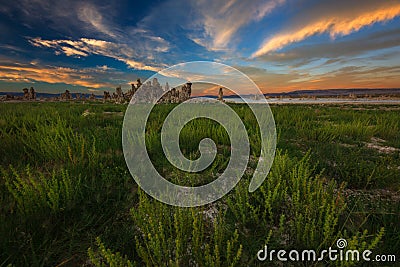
(317, 100)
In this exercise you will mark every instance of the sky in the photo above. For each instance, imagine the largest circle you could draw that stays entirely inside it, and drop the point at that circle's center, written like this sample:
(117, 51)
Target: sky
(282, 45)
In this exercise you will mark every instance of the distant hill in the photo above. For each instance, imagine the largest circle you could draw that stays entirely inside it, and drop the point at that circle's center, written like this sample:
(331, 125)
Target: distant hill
(338, 92)
(45, 95)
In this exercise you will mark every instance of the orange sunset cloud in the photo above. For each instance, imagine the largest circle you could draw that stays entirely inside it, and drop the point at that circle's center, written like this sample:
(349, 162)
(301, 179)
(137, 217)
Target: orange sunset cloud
(335, 24)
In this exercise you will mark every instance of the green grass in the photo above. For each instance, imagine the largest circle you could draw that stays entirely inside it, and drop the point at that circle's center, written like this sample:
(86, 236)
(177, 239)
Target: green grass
(67, 198)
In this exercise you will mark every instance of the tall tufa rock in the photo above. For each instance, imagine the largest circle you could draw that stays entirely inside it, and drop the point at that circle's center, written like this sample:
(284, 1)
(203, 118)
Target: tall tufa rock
(221, 94)
(32, 94)
(106, 95)
(118, 95)
(26, 93)
(66, 95)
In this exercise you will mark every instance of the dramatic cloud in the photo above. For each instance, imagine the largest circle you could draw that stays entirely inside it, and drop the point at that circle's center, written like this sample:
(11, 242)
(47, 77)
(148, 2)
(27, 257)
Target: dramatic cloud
(337, 21)
(289, 42)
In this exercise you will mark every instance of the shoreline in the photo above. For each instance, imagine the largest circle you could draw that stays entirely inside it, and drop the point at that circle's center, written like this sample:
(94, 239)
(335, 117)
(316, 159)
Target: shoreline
(271, 101)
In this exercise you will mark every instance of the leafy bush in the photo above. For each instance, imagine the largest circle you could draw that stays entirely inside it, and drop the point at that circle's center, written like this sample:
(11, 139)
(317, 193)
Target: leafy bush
(35, 192)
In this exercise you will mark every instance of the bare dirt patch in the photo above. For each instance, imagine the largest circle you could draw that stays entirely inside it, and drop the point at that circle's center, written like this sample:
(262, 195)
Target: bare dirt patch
(113, 113)
(377, 144)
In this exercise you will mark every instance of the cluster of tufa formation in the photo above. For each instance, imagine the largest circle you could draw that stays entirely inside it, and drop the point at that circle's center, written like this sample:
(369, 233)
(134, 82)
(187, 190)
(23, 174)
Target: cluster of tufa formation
(177, 95)
(29, 94)
(119, 96)
(152, 92)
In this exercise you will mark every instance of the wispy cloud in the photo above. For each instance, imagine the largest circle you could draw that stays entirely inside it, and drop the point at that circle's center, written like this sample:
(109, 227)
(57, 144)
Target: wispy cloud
(69, 17)
(50, 74)
(85, 47)
(343, 50)
(89, 14)
(221, 20)
(339, 20)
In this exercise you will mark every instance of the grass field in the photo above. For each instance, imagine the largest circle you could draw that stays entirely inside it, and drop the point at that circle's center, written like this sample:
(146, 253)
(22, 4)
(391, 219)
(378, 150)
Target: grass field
(67, 198)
